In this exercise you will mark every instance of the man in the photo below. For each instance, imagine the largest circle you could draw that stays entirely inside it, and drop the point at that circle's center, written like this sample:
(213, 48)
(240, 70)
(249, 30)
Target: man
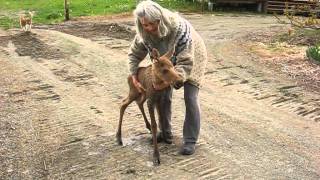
(162, 29)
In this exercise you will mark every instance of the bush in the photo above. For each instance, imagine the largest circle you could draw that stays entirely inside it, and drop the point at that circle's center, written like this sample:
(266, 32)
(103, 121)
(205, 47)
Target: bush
(313, 53)
(54, 15)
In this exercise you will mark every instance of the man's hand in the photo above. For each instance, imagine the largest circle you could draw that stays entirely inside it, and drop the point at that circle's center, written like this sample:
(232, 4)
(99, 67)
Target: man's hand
(137, 84)
(178, 84)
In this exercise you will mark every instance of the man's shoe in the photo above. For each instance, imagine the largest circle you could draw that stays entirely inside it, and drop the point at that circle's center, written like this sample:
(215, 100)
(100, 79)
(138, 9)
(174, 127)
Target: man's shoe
(188, 148)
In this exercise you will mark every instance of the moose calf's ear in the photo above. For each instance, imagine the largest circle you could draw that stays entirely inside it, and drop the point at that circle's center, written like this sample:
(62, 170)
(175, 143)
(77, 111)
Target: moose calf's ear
(170, 53)
(155, 53)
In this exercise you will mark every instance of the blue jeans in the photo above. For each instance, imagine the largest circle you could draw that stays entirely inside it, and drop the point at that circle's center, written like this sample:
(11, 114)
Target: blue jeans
(191, 126)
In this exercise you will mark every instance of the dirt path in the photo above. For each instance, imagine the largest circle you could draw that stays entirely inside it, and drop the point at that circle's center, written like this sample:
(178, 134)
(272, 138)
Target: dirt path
(60, 96)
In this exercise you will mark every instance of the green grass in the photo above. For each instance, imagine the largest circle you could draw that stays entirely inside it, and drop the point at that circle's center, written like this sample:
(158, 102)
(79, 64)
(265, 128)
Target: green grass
(7, 22)
(52, 11)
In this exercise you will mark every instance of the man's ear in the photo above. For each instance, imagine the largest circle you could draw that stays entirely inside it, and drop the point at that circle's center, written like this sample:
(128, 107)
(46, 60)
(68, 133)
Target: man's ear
(155, 53)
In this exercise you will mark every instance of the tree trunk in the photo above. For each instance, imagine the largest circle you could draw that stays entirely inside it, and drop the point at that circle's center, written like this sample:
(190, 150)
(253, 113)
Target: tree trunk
(66, 11)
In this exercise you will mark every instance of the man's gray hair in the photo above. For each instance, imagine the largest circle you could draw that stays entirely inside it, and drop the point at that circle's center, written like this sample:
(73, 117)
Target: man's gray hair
(153, 12)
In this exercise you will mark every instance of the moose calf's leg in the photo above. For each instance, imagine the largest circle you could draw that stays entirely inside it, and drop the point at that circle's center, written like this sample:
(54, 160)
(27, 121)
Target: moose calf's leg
(144, 115)
(123, 107)
(156, 154)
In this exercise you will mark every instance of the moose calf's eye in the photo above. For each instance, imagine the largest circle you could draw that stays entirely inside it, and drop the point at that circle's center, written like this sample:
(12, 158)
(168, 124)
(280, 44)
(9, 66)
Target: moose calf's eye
(165, 71)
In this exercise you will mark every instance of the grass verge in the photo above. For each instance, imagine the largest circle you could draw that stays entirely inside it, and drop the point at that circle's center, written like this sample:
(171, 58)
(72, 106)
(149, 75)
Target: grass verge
(52, 11)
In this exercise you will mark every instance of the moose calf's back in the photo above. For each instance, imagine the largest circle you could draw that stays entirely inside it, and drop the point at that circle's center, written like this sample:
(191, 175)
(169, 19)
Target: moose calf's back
(145, 78)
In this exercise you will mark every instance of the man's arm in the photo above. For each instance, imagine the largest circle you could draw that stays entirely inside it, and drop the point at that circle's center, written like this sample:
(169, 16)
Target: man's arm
(137, 53)
(184, 64)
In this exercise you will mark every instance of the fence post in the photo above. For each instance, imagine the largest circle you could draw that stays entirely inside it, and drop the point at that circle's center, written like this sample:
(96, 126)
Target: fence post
(66, 11)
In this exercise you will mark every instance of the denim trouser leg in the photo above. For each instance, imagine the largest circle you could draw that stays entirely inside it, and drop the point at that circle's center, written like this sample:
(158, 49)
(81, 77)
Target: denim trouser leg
(165, 111)
(191, 127)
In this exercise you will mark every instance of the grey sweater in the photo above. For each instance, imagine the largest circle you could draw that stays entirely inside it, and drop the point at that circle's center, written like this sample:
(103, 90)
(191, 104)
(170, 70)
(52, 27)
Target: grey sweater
(190, 57)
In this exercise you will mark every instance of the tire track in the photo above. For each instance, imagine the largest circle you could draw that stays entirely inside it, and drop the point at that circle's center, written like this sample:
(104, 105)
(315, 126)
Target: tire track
(261, 85)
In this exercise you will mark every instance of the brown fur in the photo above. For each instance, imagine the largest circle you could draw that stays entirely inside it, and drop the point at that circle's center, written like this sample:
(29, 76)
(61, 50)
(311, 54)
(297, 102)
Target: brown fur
(161, 74)
(26, 22)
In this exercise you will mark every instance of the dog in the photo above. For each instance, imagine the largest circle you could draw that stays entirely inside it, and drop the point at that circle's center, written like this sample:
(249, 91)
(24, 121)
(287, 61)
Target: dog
(26, 21)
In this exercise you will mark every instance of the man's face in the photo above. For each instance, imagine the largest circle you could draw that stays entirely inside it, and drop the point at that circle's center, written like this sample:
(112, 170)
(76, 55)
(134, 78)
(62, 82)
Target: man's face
(150, 27)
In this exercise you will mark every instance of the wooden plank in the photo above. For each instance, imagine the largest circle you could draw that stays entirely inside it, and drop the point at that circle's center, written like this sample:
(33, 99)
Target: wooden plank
(281, 5)
(261, 4)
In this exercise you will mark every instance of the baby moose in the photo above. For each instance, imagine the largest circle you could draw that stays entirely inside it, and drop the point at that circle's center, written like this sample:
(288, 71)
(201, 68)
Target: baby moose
(154, 78)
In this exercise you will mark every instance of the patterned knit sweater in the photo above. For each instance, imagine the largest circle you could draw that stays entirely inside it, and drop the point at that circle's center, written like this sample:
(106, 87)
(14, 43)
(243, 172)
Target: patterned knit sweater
(190, 57)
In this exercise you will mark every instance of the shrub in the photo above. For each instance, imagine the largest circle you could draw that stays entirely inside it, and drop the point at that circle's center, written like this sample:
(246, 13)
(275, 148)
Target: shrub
(313, 53)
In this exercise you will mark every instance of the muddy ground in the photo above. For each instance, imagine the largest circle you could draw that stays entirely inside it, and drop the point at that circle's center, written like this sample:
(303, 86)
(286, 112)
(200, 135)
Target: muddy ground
(61, 87)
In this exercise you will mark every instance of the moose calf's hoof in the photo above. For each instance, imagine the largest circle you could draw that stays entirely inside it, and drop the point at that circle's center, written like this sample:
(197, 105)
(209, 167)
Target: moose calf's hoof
(156, 161)
(119, 141)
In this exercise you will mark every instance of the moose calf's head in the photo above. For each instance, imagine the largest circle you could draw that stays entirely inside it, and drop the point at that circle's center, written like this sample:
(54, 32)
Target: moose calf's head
(163, 68)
